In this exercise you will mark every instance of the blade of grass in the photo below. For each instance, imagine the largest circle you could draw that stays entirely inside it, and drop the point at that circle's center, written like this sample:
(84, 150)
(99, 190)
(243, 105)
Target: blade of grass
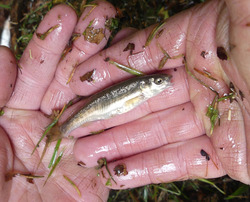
(5, 6)
(212, 184)
(53, 159)
(177, 192)
(240, 191)
(54, 166)
(73, 184)
(126, 68)
(153, 33)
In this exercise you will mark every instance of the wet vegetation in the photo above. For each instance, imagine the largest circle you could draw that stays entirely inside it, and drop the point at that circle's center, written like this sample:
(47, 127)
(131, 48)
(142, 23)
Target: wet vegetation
(26, 16)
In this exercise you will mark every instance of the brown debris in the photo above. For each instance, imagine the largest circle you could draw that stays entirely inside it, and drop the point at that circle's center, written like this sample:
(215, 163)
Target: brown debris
(87, 76)
(222, 53)
(130, 47)
(121, 169)
(93, 35)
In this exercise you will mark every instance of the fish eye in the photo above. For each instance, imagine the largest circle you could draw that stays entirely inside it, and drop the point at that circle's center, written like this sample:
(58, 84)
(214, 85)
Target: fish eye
(158, 81)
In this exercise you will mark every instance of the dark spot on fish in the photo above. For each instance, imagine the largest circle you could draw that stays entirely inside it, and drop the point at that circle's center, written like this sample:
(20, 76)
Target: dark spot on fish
(221, 53)
(203, 153)
(175, 69)
(159, 34)
(106, 59)
(130, 47)
(87, 76)
(121, 169)
(241, 95)
(203, 54)
(41, 61)
(80, 163)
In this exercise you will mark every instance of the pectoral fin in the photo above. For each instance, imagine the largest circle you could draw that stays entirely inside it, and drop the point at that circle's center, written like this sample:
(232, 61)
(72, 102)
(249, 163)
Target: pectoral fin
(134, 101)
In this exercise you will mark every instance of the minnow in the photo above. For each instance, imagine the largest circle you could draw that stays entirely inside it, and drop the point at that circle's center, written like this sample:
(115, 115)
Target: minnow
(112, 101)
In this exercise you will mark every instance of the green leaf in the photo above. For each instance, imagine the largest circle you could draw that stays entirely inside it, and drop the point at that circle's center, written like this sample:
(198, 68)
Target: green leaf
(238, 192)
(52, 161)
(212, 184)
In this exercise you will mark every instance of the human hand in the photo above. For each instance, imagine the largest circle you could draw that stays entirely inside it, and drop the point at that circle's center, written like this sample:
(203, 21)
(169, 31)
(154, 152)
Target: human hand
(162, 140)
(40, 87)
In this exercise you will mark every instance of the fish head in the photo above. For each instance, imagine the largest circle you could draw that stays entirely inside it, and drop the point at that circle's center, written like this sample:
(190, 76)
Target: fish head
(154, 84)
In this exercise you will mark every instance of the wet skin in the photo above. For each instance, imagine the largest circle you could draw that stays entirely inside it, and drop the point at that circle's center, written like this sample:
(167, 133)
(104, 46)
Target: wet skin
(159, 141)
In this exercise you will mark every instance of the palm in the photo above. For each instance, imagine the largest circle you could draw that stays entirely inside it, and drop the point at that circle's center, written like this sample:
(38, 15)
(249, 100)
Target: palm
(25, 128)
(37, 91)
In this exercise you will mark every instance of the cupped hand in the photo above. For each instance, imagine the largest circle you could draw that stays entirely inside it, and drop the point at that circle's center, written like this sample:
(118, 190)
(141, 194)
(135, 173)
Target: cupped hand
(169, 137)
(40, 86)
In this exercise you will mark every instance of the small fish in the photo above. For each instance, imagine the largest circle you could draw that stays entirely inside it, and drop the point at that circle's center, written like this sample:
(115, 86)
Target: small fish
(112, 101)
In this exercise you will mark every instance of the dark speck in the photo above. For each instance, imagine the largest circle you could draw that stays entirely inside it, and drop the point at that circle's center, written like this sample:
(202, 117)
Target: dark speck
(175, 69)
(120, 170)
(203, 54)
(11, 85)
(41, 61)
(241, 95)
(106, 59)
(203, 153)
(221, 53)
(183, 109)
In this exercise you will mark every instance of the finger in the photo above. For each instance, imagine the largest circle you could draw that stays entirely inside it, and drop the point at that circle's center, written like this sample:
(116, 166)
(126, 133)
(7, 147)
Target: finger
(145, 59)
(84, 45)
(8, 75)
(123, 34)
(155, 130)
(176, 94)
(173, 162)
(40, 58)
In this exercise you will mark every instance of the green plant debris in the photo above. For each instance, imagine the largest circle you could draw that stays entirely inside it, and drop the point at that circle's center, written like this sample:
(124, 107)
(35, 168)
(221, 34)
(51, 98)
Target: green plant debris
(54, 166)
(212, 184)
(103, 162)
(165, 57)
(45, 34)
(206, 74)
(213, 113)
(5, 6)
(154, 32)
(243, 189)
(108, 183)
(53, 159)
(73, 184)
(176, 192)
(53, 123)
(126, 68)
(112, 24)
(1, 112)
